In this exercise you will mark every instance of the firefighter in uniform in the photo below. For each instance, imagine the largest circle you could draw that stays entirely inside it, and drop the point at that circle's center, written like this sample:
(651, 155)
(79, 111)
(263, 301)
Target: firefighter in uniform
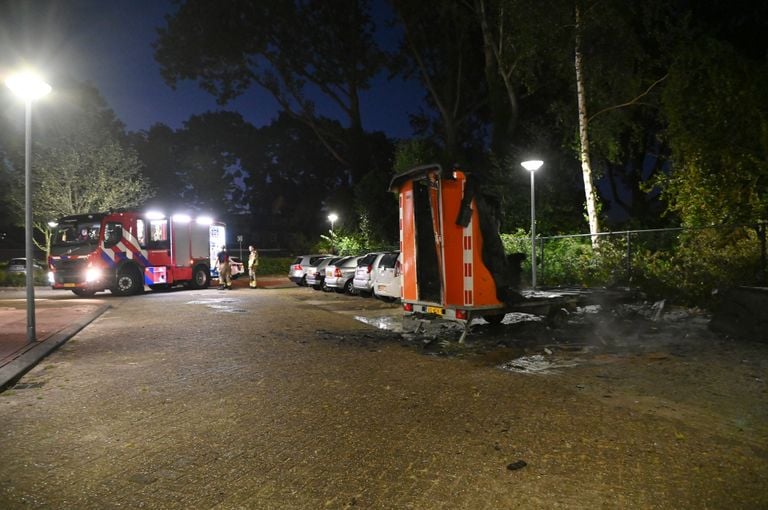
(253, 263)
(225, 272)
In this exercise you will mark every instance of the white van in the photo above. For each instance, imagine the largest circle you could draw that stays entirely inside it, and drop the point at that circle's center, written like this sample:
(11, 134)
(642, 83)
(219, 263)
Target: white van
(387, 278)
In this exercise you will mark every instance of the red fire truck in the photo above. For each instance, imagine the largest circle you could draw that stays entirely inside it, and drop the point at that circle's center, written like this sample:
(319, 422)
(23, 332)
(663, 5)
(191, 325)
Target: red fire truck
(123, 251)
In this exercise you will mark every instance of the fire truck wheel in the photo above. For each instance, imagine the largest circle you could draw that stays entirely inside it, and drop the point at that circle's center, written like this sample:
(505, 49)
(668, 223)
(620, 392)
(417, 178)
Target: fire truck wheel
(128, 282)
(201, 277)
(83, 292)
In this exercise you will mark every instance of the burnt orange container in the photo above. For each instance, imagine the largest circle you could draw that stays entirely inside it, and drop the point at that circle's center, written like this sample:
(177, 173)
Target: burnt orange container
(442, 265)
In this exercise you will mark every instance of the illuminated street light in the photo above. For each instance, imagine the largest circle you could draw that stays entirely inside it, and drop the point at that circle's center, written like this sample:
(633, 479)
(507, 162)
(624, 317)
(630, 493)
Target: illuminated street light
(29, 87)
(532, 166)
(332, 218)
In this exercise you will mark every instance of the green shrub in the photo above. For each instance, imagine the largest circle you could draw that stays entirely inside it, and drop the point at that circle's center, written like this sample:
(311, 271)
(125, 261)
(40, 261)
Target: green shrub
(345, 244)
(701, 262)
(20, 280)
(274, 265)
(685, 267)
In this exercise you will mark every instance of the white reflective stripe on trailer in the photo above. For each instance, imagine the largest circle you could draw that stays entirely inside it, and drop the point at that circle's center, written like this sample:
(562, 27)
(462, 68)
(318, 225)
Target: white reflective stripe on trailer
(468, 252)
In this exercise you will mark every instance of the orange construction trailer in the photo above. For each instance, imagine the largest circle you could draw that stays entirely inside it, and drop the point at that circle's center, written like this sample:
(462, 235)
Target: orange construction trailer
(453, 264)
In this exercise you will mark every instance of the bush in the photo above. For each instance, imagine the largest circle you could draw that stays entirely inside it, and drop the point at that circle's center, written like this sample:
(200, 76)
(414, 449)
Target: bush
(701, 262)
(20, 280)
(347, 244)
(685, 267)
(567, 261)
(274, 265)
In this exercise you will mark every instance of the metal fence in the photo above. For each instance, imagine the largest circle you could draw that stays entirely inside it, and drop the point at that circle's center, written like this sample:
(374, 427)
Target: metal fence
(704, 257)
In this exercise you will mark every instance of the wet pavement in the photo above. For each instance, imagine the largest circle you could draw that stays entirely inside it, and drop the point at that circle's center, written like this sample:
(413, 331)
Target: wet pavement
(59, 315)
(55, 322)
(291, 398)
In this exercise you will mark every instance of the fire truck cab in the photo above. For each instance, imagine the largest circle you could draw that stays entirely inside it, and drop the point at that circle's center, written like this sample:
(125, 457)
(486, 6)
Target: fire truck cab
(124, 251)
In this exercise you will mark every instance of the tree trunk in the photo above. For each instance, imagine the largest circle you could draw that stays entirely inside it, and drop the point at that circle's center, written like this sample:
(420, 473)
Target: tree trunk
(586, 165)
(503, 99)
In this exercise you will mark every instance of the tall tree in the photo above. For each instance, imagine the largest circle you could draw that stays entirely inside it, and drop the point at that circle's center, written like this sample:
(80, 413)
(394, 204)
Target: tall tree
(612, 83)
(441, 45)
(199, 166)
(590, 195)
(81, 164)
(289, 180)
(302, 52)
(715, 104)
(516, 54)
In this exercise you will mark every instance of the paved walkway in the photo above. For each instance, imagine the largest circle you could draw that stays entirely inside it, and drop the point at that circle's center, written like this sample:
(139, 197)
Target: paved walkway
(55, 323)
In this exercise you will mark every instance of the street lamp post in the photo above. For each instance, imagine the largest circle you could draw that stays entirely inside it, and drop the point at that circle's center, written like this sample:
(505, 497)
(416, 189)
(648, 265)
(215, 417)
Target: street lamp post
(28, 87)
(532, 166)
(332, 218)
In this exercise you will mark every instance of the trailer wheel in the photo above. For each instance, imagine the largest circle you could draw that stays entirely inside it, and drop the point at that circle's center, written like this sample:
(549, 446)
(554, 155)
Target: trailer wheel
(201, 277)
(128, 282)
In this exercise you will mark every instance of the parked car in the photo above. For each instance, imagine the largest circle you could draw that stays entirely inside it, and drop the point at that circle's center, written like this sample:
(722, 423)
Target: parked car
(316, 274)
(297, 273)
(19, 266)
(387, 278)
(363, 280)
(339, 276)
(237, 267)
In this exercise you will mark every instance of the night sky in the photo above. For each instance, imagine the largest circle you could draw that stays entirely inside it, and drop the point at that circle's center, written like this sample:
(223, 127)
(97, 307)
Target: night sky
(108, 43)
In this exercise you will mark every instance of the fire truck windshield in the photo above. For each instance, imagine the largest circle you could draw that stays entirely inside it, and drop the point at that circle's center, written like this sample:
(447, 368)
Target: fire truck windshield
(76, 233)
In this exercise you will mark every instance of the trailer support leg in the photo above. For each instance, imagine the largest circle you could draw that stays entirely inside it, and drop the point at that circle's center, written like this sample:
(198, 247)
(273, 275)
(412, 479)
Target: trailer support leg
(465, 332)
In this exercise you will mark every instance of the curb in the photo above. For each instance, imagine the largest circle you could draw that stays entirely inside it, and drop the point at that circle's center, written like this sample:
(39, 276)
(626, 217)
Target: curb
(11, 372)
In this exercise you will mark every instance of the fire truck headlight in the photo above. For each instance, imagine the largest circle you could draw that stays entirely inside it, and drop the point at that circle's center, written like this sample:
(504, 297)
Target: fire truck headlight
(92, 274)
(50, 278)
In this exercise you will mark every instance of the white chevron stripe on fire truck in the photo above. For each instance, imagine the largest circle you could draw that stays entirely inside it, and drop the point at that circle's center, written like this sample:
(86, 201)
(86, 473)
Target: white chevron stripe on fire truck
(127, 248)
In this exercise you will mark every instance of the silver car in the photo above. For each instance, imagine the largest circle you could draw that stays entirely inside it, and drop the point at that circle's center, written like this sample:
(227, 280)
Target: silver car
(339, 276)
(19, 266)
(387, 279)
(366, 268)
(316, 274)
(297, 273)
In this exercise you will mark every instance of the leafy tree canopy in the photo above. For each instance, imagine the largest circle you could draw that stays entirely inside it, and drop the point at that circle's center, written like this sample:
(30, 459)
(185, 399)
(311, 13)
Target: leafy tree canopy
(79, 163)
(716, 106)
(295, 50)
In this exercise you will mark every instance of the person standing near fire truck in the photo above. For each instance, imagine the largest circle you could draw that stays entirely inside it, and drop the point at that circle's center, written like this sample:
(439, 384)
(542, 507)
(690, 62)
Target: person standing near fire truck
(253, 264)
(225, 271)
